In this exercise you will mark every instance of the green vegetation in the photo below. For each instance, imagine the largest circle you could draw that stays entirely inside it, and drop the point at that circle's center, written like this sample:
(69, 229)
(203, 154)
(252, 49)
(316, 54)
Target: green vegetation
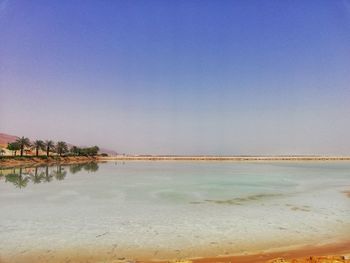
(14, 147)
(61, 148)
(24, 145)
(88, 151)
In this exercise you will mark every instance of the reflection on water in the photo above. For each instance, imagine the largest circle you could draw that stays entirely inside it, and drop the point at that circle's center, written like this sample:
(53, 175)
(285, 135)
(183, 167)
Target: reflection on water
(20, 177)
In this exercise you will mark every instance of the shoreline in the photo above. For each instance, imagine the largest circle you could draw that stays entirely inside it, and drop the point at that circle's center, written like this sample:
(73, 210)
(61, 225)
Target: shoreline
(37, 161)
(327, 253)
(8, 162)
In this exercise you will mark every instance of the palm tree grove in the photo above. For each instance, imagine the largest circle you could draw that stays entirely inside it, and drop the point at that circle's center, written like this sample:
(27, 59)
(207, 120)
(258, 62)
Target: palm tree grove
(40, 148)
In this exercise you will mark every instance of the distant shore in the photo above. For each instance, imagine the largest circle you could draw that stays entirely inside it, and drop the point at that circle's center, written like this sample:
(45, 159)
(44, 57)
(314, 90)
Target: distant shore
(32, 160)
(224, 158)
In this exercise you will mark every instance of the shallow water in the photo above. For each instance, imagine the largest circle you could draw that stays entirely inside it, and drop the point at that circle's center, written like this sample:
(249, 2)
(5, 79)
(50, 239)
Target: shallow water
(173, 208)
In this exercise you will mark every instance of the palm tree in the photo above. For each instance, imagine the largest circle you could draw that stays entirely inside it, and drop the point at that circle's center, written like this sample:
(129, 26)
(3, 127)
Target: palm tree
(23, 142)
(61, 147)
(49, 145)
(38, 145)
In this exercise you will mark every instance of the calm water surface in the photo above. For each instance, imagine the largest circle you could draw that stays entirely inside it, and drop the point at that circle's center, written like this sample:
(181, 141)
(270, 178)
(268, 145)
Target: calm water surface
(220, 207)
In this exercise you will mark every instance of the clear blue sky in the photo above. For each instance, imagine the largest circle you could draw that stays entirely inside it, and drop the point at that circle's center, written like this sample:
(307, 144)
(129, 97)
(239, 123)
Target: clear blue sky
(178, 77)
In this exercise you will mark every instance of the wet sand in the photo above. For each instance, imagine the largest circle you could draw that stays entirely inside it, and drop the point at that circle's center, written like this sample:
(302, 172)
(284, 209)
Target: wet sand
(330, 253)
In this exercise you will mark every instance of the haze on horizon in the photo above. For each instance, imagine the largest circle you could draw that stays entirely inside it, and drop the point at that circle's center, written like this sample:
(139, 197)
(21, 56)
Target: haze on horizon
(178, 77)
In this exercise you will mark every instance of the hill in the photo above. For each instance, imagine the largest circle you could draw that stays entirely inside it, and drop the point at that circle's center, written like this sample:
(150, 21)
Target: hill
(6, 138)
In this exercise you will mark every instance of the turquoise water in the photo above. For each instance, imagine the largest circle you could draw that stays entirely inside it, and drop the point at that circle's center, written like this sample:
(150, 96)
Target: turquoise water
(181, 207)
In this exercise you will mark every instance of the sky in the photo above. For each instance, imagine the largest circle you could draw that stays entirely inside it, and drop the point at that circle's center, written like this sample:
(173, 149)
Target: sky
(178, 77)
